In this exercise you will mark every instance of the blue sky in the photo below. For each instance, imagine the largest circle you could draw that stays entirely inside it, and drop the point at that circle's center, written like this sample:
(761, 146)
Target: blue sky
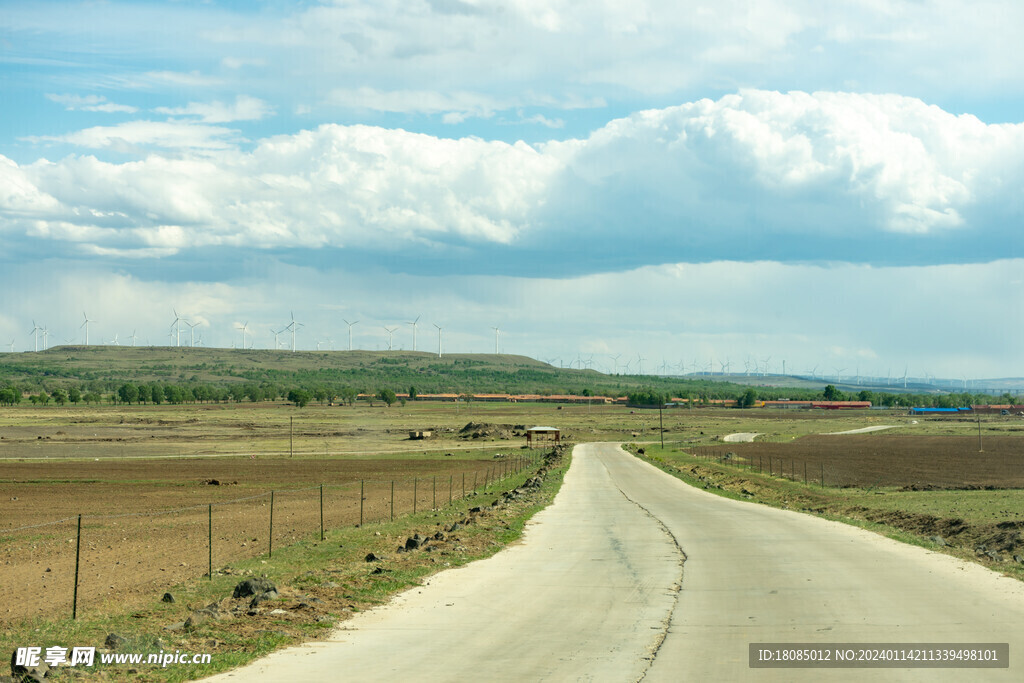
(730, 183)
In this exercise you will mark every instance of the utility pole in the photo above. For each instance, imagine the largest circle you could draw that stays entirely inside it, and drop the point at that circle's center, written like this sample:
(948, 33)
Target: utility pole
(661, 424)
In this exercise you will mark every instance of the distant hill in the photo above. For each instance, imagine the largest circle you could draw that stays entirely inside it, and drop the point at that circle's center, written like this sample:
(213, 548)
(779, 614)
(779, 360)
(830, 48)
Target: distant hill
(105, 367)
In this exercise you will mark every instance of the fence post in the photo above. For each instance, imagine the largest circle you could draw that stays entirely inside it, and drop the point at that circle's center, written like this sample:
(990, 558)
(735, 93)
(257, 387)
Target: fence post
(209, 529)
(271, 554)
(361, 502)
(78, 549)
(414, 487)
(321, 512)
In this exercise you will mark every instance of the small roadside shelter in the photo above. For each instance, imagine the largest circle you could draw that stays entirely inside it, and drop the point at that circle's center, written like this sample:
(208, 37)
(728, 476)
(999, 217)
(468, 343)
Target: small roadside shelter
(552, 434)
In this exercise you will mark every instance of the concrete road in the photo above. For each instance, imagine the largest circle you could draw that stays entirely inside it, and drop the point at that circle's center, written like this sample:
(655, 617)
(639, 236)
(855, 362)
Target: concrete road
(593, 593)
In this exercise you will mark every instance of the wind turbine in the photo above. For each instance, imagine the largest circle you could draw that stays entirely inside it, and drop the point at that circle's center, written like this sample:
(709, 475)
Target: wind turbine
(615, 362)
(766, 360)
(35, 333)
(191, 333)
(641, 362)
(46, 335)
(243, 327)
(275, 333)
(391, 333)
(86, 326)
(177, 327)
(114, 341)
(497, 331)
(12, 346)
(413, 323)
(350, 332)
(292, 326)
(133, 337)
(839, 375)
(439, 328)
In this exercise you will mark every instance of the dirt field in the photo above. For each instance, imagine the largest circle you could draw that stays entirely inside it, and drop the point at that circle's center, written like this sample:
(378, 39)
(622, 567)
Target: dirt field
(881, 459)
(145, 522)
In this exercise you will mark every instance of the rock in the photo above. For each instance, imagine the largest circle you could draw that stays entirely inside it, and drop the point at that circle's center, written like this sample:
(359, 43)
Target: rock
(477, 510)
(1019, 559)
(198, 618)
(454, 527)
(167, 598)
(373, 558)
(175, 627)
(20, 673)
(380, 570)
(640, 451)
(115, 641)
(263, 597)
(440, 536)
(253, 587)
(993, 555)
(278, 611)
(414, 542)
(937, 540)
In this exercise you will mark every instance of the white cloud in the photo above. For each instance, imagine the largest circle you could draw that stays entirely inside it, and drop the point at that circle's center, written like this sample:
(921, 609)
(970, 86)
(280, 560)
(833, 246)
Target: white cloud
(457, 106)
(132, 137)
(90, 103)
(832, 166)
(244, 108)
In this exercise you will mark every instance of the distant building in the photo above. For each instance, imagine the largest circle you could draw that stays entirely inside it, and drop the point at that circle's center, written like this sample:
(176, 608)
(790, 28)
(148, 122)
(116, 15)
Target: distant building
(539, 434)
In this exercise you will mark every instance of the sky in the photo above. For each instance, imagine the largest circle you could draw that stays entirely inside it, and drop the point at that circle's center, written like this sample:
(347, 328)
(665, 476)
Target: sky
(676, 186)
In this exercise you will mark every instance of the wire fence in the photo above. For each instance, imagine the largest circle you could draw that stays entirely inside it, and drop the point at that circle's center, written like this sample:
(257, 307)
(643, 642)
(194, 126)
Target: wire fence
(787, 468)
(63, 564)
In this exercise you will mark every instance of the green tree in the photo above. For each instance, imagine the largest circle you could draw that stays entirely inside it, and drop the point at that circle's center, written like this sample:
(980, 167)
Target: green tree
(74, 394)
(300, 397)
(832, 394)
(60, 396)
(128, 393)
(412, 392)
(747, 399)
(387, 395)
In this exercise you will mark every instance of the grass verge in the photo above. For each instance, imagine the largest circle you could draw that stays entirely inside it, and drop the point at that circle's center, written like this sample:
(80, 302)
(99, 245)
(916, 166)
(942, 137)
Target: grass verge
(319, 583)
(976, 525)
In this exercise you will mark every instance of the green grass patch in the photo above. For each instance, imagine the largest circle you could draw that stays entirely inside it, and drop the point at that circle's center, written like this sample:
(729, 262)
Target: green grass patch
(969, 524)
(320, 583)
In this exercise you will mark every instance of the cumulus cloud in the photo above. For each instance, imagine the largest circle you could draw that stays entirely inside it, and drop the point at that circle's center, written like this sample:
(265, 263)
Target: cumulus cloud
(841, 172)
